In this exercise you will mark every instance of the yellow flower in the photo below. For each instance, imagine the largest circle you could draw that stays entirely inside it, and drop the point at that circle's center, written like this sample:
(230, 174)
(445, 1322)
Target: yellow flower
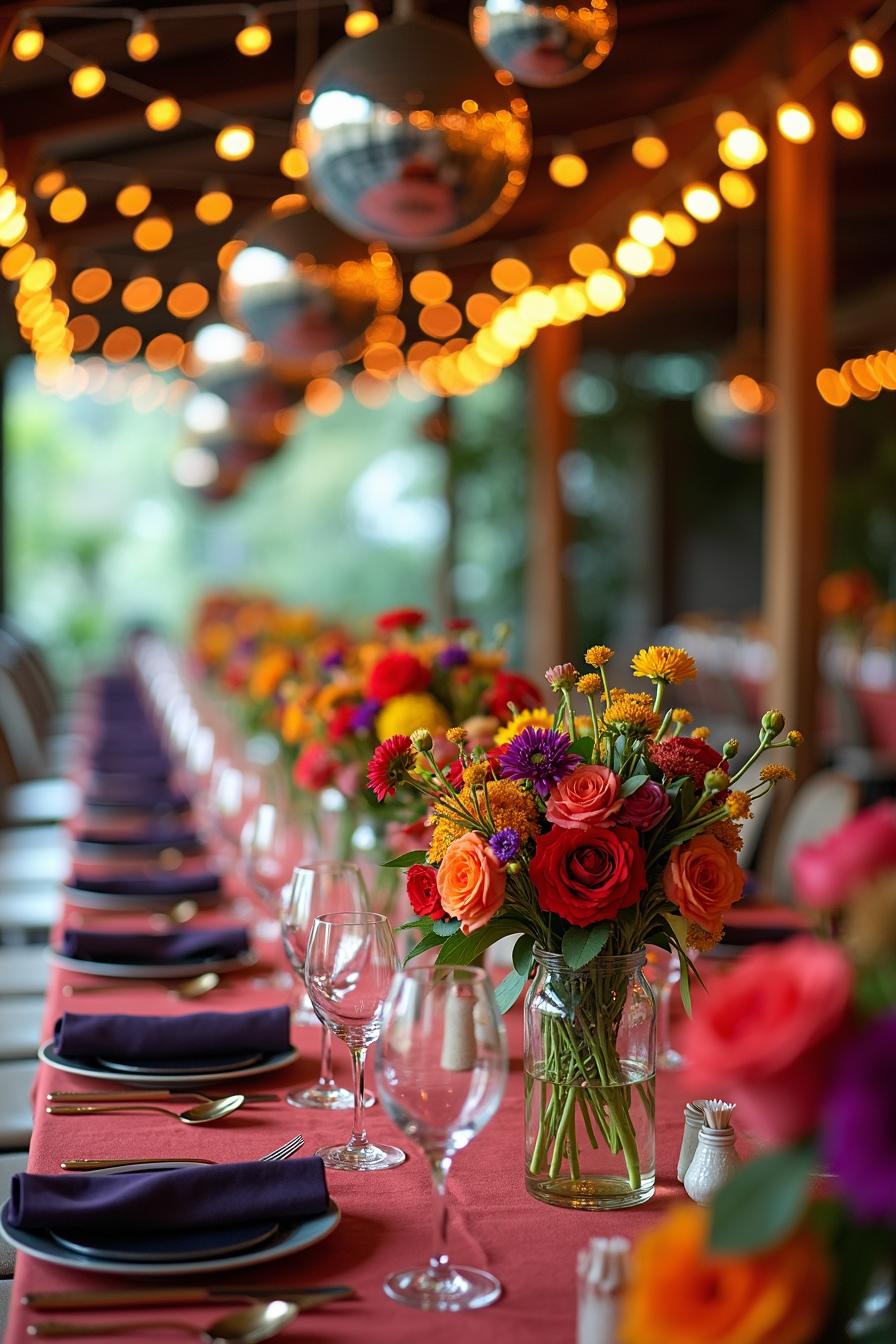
(682, 716)
(662, 663)
(795, 738)
(631, 710)
(527, 718)
(457, 736)
(298, 623)
(700, 734)
(737, 805)
(295, 724)
(728, 832)
(215, 642)
(268, 672)
(772, 774)
(508, 805)
(331, 695)
(598, 655)
(681, 1293)
(488, 660)
(405, 713)
(590, 684)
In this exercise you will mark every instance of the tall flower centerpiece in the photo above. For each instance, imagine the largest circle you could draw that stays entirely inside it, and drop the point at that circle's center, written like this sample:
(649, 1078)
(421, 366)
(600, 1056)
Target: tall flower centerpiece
(588, 834)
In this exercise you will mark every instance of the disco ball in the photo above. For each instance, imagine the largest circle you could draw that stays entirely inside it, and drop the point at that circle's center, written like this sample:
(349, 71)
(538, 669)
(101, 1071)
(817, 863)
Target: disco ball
(410, 138)
(256, 399)
(541, 44)
(307, 292)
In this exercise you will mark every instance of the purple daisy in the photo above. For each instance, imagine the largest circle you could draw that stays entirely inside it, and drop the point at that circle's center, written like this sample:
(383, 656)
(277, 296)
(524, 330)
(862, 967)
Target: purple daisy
(453, 655)
(540, 755)
(333, 659)
(365, 715)
(505, 844)
(859, 1121)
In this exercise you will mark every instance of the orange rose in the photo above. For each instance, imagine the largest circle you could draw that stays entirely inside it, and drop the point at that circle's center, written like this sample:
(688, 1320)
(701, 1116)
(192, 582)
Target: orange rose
(471, 882)
(679, 1293)
(702, 878)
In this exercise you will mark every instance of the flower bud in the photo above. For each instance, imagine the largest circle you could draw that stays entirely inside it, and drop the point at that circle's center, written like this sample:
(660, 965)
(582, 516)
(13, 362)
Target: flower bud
(422, 739)
(563, 677)
(795, 738)
(731, 748)
(715, 780)
(773, 721)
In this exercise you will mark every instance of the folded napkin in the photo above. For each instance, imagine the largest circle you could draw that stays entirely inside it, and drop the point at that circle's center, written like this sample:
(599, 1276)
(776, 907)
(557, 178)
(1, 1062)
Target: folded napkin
(126, 1036)
(129, 775)
(154, 764)
(156, 833)
(155, 949)
(190, 1197)
(148, 884)
(152, 797)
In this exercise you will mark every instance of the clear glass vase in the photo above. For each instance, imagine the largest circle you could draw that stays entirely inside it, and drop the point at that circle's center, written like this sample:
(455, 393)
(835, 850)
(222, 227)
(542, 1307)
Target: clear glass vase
(590, 1060)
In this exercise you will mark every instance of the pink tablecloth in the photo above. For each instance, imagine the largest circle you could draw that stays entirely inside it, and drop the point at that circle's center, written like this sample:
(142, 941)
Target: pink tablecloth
(385, 1216)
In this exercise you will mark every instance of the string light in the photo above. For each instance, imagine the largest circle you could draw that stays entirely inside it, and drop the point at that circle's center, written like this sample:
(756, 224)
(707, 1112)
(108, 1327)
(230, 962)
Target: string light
(699, 199)
(87, 81)
(605, 289)
(679, 229)
(737, 189)
(480, 308)
(848, 120)
(323, 396)
(92, 284)
(254, 38)
(510, 275)
(133, 199)
(187, 299)
(141, 294)
(28, 42)
(650, 150)
(431, 287)
(663, 258)
(234, 142)
(294, 164)
(646, 226)
(68, 205)
(743, 147)
(568, 169)
(832, 387)
(360, 19)
(85, 329)
(228, 251)
(866, 58)
(633, 257)
(163, 113)
(728, 120)
(16, 261)
(290, 203)
(439, 320)
(49, 182)
(214, 206)
(122, 345)
(795, 123)
(163, 351)
(587, 257)
(142, 43)
(153, 232)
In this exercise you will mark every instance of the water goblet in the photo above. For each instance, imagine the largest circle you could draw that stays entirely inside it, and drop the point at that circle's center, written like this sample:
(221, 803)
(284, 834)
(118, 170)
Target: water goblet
(350, 963)
(271, 847)
(664, 973)
(318, 889)
(441, 1071)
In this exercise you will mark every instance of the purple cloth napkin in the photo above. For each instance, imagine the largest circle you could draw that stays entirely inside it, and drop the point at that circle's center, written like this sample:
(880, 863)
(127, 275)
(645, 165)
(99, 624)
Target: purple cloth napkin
(191, 1197)
(129, 776)
(148, 799)
(148, 884)
(152, 765)
(155, 949)
(126, 1036)
(156, 833)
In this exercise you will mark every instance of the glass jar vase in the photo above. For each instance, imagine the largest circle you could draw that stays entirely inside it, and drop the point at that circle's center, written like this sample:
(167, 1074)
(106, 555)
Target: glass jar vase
(589, 1062)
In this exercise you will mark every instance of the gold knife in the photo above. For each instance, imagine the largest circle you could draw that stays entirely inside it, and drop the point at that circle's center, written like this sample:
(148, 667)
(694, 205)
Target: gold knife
(182, 1297)
(101, 1163)
(169, 1094)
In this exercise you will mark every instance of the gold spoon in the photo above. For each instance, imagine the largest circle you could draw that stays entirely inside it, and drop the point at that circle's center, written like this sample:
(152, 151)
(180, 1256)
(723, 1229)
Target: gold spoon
(249, 1325)
(194, 988)
(203, 1114)
(179, 913)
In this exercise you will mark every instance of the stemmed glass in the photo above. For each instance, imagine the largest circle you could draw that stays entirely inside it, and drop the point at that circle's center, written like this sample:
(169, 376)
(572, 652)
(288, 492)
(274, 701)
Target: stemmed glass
(271, 847)
(350, 964)
(441, 1071)
(664, 973)
(319, 889)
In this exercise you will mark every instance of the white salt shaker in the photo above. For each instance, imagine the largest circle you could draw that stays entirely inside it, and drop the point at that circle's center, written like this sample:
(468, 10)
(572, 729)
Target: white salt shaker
(603, 1271)
(693, 1123)
(716, 1156)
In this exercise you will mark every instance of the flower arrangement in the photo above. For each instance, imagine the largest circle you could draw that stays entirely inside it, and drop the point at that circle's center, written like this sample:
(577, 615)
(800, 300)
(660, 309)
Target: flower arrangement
(802, 1035)
(589, 834)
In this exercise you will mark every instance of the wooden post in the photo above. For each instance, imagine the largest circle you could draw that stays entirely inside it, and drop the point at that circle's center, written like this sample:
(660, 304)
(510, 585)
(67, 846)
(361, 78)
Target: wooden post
(798, 470)
(547, 633)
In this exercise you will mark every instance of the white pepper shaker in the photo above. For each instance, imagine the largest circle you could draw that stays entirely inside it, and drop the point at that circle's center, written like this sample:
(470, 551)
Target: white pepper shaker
(716, 1156)
(603, 1272)
(693, 1122)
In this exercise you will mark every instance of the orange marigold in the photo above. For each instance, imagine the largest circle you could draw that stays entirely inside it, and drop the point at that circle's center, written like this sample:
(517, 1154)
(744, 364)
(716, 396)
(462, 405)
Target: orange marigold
(662, 663)
(737, 805)
(729, 834)
(700, 734)
(772, 774)
(507, 805)
(598, 655)
(631, 709)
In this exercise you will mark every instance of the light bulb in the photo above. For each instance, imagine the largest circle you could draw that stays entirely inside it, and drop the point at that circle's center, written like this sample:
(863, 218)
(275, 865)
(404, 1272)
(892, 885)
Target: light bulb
(28, 41)
(294, 163)
(254, 38)
(848, 120)
(865, 58)
(737, 189)
(153, 232)
(795, 123)
(743, 147)
(213, 207)
(360, 19)
(142, 44)
(87, 81)
(646, 226)
(133, 199)
(68, 205)
(679, 229)
(568, 170)
(633, 257)
(162, 114)
(701, 201)
(650, 151)
(234, 142)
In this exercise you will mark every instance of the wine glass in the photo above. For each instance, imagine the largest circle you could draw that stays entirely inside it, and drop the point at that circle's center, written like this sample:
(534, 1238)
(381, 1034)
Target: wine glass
(664, 973)
(271, 847)
(441, 1071)
(319, 889)
(348, 970)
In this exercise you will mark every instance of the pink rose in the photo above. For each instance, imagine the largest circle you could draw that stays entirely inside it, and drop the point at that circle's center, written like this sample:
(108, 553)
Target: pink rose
(587, 797)
(826, 872)
(646, 807)
(766, 1033)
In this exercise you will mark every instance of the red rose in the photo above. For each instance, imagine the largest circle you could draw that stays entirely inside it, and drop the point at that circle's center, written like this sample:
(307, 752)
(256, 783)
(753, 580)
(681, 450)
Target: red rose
(689, 756)
(588, 875)
(315, 767)
(423, 893)
(401, 618)
(341, 721)
(509, 688)
(396, 674)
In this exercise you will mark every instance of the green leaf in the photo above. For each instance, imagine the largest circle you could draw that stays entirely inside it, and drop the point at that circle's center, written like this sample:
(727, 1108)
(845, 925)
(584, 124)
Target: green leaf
(762, 1202)
(462, 948)
(684, 984)
(584, 747)
(580, 946)
(426, 943)
(444, 928)
(522, 956)
(632, 784)
(406, 860)
(509, 990)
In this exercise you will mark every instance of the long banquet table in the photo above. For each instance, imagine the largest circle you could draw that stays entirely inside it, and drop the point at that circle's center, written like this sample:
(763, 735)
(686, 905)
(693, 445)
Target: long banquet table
(385, 1215)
